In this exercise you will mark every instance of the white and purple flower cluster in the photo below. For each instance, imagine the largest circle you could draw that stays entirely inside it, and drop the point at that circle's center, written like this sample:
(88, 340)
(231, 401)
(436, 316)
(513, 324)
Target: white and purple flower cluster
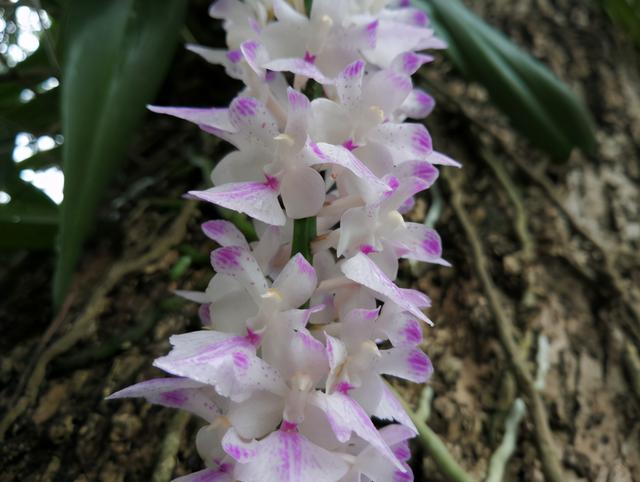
(287, 371)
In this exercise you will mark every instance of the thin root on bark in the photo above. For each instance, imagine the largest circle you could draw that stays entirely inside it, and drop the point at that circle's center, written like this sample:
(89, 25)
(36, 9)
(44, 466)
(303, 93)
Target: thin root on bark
(93, 309)
(547, 450)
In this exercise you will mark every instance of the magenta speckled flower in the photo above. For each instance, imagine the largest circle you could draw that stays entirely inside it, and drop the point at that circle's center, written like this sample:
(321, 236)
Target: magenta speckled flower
(289, 368)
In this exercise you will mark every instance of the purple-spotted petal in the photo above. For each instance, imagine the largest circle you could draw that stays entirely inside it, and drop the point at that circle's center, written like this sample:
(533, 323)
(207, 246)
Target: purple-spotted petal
(409, 62)
(256, 199)
(390, 408)
(298, 67)
(346, 417)
(228, 363)
(369, 464)
(204, 116)
(401, 328)
(224, 233)
(364, 271)
(408, 363)
(421, 169)
(423, 244)
(296, 282)
(418, 104)
(239, 264)
(323, 153)
(386, 89)
(255, 55)
(253, 121)
(297, 119)
(349, 84)
(176, 393)
(283, 456)
(406, 141)
(229, 59)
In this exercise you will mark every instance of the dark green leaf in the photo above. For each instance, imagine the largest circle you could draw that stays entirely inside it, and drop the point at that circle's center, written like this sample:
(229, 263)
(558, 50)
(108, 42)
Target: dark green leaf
(38, 116)
(539, 105)
(29, 220)
(626, 13)
(116, 55)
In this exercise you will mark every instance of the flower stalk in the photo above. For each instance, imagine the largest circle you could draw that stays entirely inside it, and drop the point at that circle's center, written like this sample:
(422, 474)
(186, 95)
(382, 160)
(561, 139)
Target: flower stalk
(304, 232)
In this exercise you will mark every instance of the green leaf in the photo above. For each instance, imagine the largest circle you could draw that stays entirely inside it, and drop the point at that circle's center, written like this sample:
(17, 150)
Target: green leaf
(29, 220)
(115, 58)
(38, 116)
(540, 106)
(626, 13)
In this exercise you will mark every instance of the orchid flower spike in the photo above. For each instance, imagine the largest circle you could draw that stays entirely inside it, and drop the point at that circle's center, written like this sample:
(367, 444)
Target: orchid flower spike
(289, 367)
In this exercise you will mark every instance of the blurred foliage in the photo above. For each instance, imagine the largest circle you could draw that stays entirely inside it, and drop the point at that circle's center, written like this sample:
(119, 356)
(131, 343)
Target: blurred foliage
(539, 105)
(625, 13)
(29, 219)
(115, 58)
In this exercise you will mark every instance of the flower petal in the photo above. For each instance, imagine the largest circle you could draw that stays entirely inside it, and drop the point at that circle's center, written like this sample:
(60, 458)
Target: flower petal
(229, 59)
(364, 271)
(256, 416)
(303, 192)
(205, 116)
(409, 62)
(298, 67)
(346, 417)
(386, 89)
(421, 169)
(406, 141)
(401, 328)
(408, 363)
(256, 199)
(417, 105)
(390, 408)
(439, 158)
(255, 55)
(423, 244)
(226, 362)
(331, 122)
(253, 121)
(181, 393)
(296, 282)
(323, 153)
(283, 456)
(238, 263)
(349, 84)
(239, 166)
(224, 233)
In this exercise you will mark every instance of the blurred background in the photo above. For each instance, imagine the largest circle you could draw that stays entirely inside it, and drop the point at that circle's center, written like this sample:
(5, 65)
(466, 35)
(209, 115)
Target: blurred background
(539, 99)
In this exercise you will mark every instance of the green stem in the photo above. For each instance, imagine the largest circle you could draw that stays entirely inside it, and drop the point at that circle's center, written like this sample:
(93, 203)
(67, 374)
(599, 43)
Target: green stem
(432, 444)
(304, 231)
